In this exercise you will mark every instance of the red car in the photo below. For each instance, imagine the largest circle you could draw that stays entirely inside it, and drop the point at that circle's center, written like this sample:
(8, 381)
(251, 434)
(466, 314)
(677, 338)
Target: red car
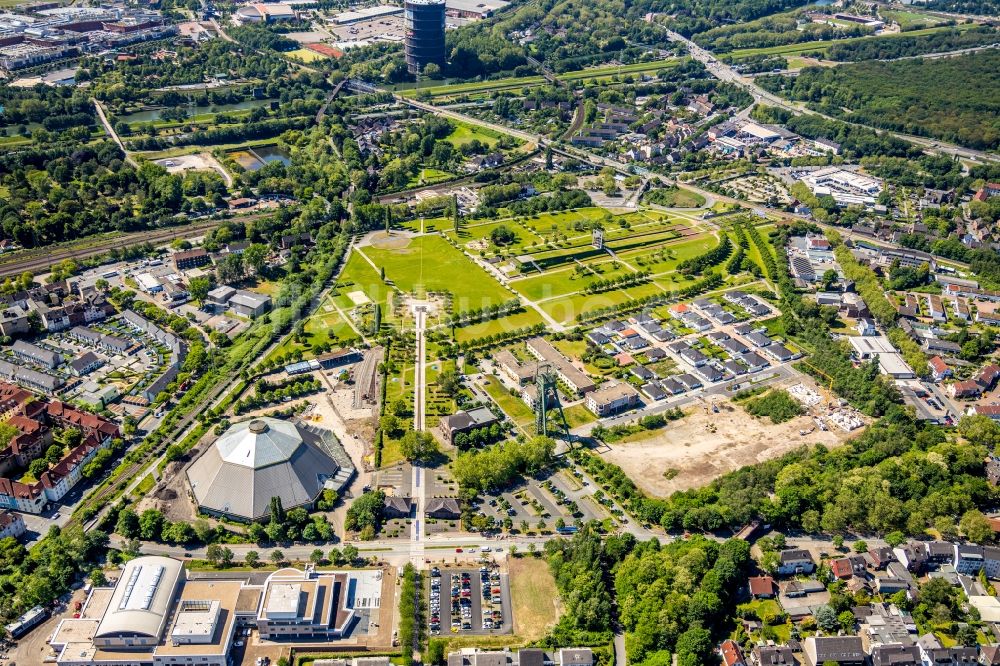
(458, 550)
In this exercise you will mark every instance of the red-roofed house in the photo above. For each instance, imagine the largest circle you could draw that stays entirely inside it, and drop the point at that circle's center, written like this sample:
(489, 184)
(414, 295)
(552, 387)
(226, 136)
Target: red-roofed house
(989, 411)
(965, 389)
(762, 587)
(939, 369)
(732, 655)
(988, 376)
(846, 567)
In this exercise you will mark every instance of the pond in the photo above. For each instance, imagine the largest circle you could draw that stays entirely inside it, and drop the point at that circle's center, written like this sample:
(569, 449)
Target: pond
(152, 115)
(253, 159)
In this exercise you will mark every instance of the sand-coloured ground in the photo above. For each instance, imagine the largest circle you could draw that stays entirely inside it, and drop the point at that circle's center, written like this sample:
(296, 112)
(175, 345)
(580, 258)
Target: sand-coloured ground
(705, 445)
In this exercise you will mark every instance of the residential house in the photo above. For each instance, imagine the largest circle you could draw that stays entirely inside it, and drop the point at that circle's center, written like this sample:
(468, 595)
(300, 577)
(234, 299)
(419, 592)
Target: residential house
(939, 369)
(795, 561)
(397, 507)
(840, 650)
(193, 258)
(35, 355)
(762, 587)
(11, 525)
(732, 655)
(773, 655)
(847, 567)
(896, 655)
(965, 389)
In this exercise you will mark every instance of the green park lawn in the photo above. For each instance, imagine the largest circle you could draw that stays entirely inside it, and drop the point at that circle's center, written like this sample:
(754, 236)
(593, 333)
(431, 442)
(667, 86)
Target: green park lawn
(429, 263)
(463, 134)
(515, 409)
(476, 232)
(529, 317)
(566, 280)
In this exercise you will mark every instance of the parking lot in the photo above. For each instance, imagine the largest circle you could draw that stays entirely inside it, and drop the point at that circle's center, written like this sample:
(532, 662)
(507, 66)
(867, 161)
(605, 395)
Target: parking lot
(547, 501)
(469, 601)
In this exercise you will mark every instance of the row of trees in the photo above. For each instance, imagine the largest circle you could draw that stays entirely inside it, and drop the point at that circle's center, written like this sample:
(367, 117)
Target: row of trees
(622, 281)
(707, 259)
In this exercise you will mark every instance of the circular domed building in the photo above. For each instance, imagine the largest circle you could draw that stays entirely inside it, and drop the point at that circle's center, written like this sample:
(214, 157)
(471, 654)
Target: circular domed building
(260, 459)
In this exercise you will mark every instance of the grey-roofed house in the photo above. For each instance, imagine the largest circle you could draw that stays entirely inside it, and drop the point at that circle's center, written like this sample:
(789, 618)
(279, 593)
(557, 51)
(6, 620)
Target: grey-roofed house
(85, 334)
(598, 338)
(841, 650)
(795, 561)
(36, 355)
(896, 655)
(754, 361)
(655, 354)
(779, 352)
(734, 368)
(29, 378)
(694, 357)
(635, 342)
(710, 373)
(259, 459)
(643, 373)
(758, 339)
(773, 655)
(446, 508)
(466, 421)
(653, 391)
(663, 335)
(734, 346)
(672, 386)
(397, 507)
(85, 364)
(576, 657)
(689, 381)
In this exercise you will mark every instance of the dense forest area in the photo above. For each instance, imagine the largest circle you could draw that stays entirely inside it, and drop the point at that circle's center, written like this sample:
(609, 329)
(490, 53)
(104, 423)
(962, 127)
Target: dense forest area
(54, 193)
(953, 99)
(672, 599)
(903, 45)
(137, 81)
(54, 108)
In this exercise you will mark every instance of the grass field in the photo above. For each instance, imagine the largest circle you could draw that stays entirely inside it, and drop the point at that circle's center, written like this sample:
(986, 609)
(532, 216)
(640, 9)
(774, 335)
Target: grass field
(515, 409)
(566, 280)
(429, 263)
(676, 198)
(358, 275)
(534, 597)
(529, 317)
(476, 232)
(463, 134)
(429, 176)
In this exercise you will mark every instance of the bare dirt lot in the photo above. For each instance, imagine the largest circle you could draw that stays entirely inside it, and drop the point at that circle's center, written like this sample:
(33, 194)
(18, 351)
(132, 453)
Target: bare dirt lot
(705, 445)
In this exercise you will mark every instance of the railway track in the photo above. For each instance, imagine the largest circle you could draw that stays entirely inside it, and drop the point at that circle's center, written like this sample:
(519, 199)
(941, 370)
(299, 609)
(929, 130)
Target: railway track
(39, 260)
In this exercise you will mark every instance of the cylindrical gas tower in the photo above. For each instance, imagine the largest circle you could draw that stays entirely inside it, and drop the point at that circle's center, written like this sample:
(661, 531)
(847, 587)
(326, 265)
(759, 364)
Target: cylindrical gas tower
(424, 23)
